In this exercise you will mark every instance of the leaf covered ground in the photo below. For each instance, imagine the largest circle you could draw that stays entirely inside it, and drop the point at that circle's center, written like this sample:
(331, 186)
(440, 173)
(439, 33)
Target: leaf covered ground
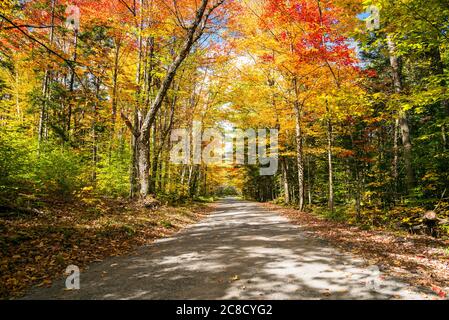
(419, 260)
(35, 249)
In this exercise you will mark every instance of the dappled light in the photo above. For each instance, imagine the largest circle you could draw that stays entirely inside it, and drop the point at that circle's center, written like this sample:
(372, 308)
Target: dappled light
(242, 251)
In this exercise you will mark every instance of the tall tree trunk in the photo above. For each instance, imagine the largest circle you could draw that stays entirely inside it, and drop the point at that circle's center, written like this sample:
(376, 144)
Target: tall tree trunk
(154, 155)
(183, 177)
(396, 157)
(140, 148)
(18, 110)
(438, 69)
(94, 131)
(144, 164)
(299, 156)
(114, 98)
(160, 176)
(358, 183)
(115, 85)
(309, 181)
(407, 143)
(403, 117)
(194, 180)
(285, 181)
(159, 150)
(329, 158)
(134, 172)
(149, 71)
(205, 191)
(72, 82)
(46, 83)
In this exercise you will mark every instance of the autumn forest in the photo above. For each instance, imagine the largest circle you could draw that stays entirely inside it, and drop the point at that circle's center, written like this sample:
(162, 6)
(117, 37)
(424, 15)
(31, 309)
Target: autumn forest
(93, 91)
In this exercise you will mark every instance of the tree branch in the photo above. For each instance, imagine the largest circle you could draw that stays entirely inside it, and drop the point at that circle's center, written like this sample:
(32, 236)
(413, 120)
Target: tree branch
(129, 124)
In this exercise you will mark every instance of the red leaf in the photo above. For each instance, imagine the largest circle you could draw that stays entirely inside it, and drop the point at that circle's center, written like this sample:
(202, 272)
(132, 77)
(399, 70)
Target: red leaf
(440, 292)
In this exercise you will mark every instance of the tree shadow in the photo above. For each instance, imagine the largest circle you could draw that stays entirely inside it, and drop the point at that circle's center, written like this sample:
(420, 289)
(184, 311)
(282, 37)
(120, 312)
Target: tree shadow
(240, 252)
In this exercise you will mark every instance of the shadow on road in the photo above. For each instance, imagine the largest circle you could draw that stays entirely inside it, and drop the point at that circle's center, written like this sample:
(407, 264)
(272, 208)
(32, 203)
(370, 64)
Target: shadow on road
(239, 252)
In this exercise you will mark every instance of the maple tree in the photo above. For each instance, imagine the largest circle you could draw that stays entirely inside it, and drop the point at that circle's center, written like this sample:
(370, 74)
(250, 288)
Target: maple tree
(300, 46)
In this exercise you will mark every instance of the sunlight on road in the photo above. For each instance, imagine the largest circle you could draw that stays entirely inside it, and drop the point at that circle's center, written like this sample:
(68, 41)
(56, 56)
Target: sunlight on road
(239, 252)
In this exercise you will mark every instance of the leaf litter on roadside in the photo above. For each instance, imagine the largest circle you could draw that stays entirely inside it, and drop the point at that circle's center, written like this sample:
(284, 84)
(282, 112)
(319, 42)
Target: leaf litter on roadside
(34, 250)
(419, 260)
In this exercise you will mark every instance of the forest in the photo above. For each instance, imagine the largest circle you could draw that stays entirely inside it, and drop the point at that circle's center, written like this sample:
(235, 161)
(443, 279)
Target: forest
(92, 91)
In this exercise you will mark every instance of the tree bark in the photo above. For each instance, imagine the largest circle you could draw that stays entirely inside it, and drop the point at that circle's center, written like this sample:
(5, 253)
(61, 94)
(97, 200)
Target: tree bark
(309, 181)
(72, 82)
(138, 146)
(94, 131)
(396, 156)
(329, 158)
(403, 117)
(285, 181)
(438, 69)
(144, 163)
(299, 155)
(114, 98)
(115, 86)
(46, 83)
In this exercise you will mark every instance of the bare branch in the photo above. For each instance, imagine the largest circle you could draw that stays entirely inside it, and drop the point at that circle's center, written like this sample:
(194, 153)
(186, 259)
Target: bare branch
(133, 11)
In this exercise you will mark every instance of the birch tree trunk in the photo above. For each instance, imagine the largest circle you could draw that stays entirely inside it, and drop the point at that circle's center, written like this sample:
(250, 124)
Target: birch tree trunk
(138, 146)
(285, 181)
(299, 156)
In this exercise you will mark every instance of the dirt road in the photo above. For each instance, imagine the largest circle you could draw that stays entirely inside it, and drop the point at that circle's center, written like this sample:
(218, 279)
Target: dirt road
(240, 252)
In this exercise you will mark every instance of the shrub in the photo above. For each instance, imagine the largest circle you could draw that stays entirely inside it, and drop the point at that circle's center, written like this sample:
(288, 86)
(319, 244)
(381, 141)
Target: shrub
(16, 157)
(113, 175)
(58, 171)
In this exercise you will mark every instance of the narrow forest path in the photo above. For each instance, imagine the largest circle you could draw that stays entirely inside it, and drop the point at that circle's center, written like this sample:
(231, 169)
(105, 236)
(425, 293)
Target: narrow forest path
(240, 252)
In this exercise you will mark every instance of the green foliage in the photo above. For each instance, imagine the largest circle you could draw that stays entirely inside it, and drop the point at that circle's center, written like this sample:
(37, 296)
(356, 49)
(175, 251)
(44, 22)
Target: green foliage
(53, 171)
(113, 174)
(340, 214)
(16, 159)
(10, 160)
(204, 199)
(279, 201)
(447, 252)
(166, 224)
(173, 198)
(59, 171)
